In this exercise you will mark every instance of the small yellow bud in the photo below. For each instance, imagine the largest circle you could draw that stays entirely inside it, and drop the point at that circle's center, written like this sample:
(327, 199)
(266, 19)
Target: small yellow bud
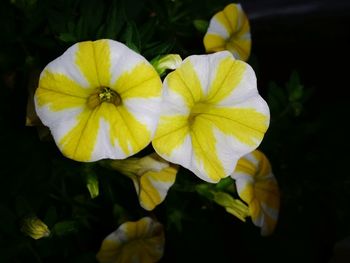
(35, 228)
(171, 61)
(231, 205)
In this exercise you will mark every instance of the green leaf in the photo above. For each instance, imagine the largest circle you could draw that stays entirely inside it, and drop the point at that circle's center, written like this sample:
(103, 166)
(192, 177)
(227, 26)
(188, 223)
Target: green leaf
(115, 21)
(224, 183)
(67, 37)
(201, 25)
(132, 37)
(65, 228)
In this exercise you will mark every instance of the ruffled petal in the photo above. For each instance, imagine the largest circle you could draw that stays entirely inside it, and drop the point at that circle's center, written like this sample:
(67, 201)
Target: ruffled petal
(257, 186)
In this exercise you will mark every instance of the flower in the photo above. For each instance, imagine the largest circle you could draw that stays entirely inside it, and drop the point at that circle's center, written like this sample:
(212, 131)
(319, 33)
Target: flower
(211, 115)
(257, 186)
(229, 30)
(100, 100)
(152, 177)
(138, 242)
(35, 228)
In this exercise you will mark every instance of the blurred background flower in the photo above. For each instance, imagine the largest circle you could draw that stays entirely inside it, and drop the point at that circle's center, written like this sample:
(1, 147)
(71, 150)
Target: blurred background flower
(257, 186)
(229, 30)
(141, 241)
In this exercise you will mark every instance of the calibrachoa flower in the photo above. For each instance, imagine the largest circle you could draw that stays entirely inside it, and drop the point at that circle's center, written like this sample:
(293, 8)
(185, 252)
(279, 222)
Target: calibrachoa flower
(229, 30)
(137, 242)
(257, 186)
(211, 115)
(152, 177)
(100, 100)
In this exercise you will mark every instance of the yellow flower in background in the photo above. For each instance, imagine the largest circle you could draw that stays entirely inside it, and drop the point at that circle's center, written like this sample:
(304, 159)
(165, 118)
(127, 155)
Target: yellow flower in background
(137, 242)
(100, 100)
(212, 115)
(35, 228)
(257, 186)
(152, 177)
(229, 30)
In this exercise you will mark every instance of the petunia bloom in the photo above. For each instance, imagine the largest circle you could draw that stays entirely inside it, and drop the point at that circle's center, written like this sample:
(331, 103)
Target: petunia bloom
(152, 177)
(138, 242)
(212, 115)
(257, 186)
(100, 100)
(229, 30)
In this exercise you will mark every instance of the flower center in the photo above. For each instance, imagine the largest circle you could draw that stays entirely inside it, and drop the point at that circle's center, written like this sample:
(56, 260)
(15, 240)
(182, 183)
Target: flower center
(103, 94)
(196, 110)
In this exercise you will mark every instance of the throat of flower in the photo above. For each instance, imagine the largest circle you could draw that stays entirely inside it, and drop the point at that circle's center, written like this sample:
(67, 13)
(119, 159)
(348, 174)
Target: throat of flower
(103, 94)
(196, 110)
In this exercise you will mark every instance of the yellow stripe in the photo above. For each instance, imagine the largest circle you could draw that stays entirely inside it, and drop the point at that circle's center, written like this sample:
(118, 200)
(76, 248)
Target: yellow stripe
(149, 195)
(57, 101)
(78, 144)
(171, 133)
(85, 60)
(204, 147)
(184, 81)
(102, 54)
(246, 125)
(141, 82)
(131, 135)
(61, 84)
(233, 14)
(228, 75)
(214, 43)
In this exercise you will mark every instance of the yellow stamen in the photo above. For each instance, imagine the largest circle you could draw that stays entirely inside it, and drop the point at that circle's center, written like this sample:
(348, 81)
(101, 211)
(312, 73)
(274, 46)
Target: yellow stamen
(103, 94)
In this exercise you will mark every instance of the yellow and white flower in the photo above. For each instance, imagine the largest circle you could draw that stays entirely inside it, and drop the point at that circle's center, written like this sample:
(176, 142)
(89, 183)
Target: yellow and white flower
(229, 30)
(257, 186)
(100, 100)
(152, 177)
(212, 115)
(137, 242)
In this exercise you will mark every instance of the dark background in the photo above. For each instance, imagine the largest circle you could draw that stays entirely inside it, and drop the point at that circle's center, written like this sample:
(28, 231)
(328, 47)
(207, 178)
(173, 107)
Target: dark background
(308, 150)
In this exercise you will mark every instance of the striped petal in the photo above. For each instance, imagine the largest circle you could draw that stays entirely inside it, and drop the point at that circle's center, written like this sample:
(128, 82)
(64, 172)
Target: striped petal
(211, 115)
(138, 242)
(229, 30)
(257, 186)
(100, 100)
(152, 177)
(152, 186)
